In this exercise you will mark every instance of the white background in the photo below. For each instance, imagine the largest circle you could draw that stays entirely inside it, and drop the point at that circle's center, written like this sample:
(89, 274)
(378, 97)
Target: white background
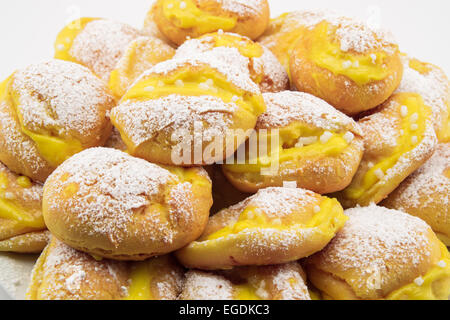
(28, 27)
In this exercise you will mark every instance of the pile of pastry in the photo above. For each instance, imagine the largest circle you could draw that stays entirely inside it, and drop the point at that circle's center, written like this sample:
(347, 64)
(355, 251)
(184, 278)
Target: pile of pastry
(218, 154)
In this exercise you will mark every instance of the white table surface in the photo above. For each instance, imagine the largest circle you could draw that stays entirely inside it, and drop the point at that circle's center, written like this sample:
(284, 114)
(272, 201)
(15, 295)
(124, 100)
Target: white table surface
(28, 29)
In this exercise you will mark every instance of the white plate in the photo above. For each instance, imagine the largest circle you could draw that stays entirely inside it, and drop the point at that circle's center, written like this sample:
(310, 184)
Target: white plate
(15, 274)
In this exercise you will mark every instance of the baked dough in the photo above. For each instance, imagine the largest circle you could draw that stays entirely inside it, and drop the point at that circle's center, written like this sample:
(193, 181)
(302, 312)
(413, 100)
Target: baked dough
(140, 55)
(398, 139)
(31, 242)
(280, 282)
(432, 84)
(62, 273)
(350, 65)
(265, 69)
(426, 193)
(382, 254)
(21, 223)
(190, 111)
(107, 203)
(275, 226)
(180, 20)
(48, 112)
(95, 43)
(308, 142)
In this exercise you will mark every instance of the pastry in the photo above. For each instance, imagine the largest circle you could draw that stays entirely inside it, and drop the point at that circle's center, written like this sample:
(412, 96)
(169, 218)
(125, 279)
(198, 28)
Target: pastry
(382, 254)
(191, 111)
(350, 65)
(95, 43)
(48, 112)
(265, 69)
(426, 193)
(432, 84)
(308, 142)
(21, 221)
(140, 55)
(284, 31)
(63, 273)
(275, 226)
(180, 20)
(280, 282)
(107, 203)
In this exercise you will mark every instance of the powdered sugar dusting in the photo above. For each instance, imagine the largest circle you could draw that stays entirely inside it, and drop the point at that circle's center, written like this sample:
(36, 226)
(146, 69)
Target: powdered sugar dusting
(206, 286)
(433, 86)
(227, 61)
(278, 202)
(242, 7)
(112, 187)
(428, 180)
(101, 44)
(286, 107)
(372, 237)
(25, 195)
(143, 120)
(60, 94)
(274, 75)
(353, 35)
(19, 146)
(384, 128)
(357, 36)
(290, 283)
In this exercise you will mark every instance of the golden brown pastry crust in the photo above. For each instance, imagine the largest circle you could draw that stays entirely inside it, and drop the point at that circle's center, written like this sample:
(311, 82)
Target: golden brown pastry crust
(31, 242)
(432, 84)
(119, 207)
(265, 69)
(383, 132)
(95, 43)
(140, 55)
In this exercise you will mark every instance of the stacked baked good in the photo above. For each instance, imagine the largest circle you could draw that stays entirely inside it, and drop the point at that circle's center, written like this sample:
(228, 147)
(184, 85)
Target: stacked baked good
(218, 154)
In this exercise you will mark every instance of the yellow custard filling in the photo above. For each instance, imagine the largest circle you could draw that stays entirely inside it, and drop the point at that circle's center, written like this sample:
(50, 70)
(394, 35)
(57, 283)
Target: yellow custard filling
(66, 37)
(370, 182)
(140, 281)
(434, 285)
(288, 150)
(184, 14)
(246, 292)
(187, 83)
(421, 67)
(361, 68)
(327, 219)
(245, 46)
(51, 147)
(10, 210)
